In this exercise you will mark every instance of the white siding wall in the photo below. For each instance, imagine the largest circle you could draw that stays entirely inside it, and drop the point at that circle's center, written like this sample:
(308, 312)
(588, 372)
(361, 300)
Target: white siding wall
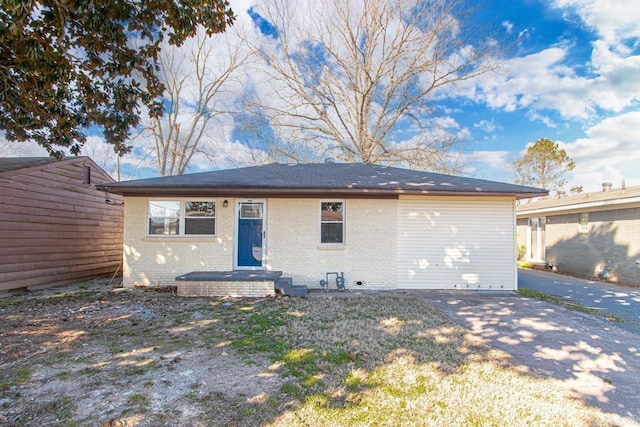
(456, 243)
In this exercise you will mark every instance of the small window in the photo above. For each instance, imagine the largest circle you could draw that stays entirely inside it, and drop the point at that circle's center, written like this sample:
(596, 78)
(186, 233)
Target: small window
(200, 218)
(251, 211)
(175, 217)
(332, 222)
(164, 217)
(583, 226)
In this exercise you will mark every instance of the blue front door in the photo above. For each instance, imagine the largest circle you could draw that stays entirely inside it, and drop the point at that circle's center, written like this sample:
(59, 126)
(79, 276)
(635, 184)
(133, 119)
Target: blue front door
(251, 235)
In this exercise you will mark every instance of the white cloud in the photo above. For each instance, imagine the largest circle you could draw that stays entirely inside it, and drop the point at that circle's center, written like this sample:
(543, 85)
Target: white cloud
(536, 82)
(488, 126)
(592, 181)
(609, 152)
(493, 165)
(20, 149)
(508, 26)
(102, 153)
(495, 159)
(548, 121)
(615, 22)
(543, 80)
(540, 81)
(618, 86)
(220, 51)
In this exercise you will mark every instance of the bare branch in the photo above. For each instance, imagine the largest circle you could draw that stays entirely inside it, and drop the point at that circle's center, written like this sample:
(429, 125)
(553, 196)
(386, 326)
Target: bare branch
(348, 82)
(196, 76)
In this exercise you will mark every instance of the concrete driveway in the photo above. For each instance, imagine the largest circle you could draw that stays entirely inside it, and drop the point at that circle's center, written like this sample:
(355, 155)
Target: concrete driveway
(596, 360)
(623, 302)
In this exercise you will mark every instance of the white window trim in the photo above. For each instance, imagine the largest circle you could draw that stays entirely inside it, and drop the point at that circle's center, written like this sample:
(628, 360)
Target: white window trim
(583, 227)
(182, 218)
(322, 245)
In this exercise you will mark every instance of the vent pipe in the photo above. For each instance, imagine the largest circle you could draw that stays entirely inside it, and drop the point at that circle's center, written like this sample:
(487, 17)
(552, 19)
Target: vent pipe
(606, 186)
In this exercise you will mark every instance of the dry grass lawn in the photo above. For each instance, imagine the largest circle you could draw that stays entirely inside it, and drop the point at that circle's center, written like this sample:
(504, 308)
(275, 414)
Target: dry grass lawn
(91, 355)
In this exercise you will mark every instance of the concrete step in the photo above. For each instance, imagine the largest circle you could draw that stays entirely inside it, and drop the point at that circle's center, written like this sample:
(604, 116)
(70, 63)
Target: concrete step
(284, 285)
(298, 291)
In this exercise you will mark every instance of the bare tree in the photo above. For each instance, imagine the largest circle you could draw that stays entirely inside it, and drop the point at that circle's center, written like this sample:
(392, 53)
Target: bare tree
(348, 78)
(20, 149)
(199, 80)
(442, 153)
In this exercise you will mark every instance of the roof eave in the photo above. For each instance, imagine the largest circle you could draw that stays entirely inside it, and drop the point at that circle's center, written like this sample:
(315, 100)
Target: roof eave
(46, 165)
(584, 206)
(298, 192)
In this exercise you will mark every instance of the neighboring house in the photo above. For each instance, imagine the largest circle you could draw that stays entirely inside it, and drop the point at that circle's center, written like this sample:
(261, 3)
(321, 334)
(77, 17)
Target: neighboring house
(593, 234)
(231, 232)
(55, 226)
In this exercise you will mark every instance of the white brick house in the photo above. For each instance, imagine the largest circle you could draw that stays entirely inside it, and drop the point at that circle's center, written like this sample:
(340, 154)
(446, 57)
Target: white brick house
(382, 227)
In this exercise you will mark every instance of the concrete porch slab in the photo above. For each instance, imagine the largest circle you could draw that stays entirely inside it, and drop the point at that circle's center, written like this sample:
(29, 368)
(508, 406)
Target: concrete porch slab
(230, 276)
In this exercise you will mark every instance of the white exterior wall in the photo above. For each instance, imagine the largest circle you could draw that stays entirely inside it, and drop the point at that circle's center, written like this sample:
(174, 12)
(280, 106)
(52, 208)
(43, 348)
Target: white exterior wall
(368, 254)
(411, 243)
(158, 260)
(456, 243)
(292, 244)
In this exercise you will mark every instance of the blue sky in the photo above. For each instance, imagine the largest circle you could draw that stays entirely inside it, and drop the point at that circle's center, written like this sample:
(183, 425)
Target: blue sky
(571, 75)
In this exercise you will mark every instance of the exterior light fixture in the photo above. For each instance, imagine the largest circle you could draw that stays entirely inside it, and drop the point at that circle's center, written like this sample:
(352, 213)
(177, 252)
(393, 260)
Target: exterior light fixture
(225, 203)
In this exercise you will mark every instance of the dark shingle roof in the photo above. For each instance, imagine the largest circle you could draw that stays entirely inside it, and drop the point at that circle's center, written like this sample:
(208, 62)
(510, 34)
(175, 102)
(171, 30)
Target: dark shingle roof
(15, 163)
(279, 179)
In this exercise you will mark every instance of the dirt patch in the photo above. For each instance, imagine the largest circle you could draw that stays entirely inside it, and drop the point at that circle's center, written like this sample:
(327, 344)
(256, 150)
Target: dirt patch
(106, 356)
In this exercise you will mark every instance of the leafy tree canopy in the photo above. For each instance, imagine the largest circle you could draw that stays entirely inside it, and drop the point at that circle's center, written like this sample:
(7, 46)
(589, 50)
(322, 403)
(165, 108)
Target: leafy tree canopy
(68, 65)
(543, 165)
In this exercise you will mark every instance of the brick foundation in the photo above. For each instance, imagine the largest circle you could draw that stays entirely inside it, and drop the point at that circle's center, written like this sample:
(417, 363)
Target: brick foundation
(221, 289)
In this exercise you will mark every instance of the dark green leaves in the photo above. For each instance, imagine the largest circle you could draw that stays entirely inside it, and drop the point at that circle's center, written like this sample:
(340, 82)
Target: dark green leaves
(68, 65)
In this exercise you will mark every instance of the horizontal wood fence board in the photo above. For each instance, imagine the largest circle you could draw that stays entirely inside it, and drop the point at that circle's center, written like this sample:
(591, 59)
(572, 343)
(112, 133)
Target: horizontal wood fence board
(56, 228)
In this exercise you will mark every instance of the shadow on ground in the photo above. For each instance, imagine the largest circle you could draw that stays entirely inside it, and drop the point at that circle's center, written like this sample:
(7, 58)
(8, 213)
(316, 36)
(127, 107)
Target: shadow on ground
(597, 361)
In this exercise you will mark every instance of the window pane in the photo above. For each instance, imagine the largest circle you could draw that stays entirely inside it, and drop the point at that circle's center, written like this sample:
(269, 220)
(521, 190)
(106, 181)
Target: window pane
(583, 226)
(331, 211)
(200, 209)
(164, 225)
(331, 233)
(251, 211)
(200, 226)
(163, 209)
